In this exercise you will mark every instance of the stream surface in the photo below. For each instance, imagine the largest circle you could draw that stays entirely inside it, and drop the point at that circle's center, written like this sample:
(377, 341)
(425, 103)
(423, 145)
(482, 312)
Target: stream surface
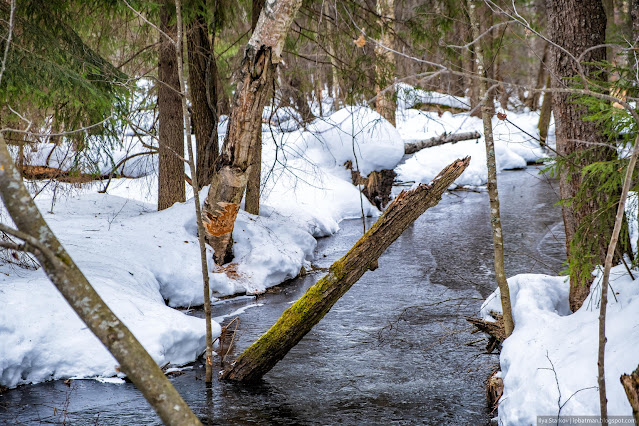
(393, 350)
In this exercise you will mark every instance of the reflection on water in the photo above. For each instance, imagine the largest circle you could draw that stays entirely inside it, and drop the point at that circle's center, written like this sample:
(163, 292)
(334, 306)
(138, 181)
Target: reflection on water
(392, 350)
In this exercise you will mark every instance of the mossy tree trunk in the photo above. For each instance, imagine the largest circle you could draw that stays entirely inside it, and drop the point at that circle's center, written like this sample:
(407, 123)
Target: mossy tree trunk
(38, 238)
(487, 110)
(261, 56)
(300, 318)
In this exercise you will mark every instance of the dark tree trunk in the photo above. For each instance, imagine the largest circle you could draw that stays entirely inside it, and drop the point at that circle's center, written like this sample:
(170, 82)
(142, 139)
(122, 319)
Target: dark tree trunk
(202, 84)
(254, 184)
(545, 115)
(304, 314)
(576, 25)
(171, 134)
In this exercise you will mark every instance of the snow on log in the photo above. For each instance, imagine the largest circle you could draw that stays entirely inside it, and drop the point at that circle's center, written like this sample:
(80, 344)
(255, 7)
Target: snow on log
(299, 319)
(413, 147)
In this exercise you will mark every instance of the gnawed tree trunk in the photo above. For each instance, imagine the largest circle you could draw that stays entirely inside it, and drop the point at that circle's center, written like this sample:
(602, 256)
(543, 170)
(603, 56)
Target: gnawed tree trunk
(300, 318)
(630, 384)
(255, 77)
(254, 184)
(202, 86)
(171, 188)
(413, 147)
(385, 62)
(134, 361)
(487, 110)
(577, 25)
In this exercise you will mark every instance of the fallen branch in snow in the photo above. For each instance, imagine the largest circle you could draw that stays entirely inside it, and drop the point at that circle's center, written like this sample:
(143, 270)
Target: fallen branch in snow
(494, 329)
(300, 318)
(413, 147)
(630, 383)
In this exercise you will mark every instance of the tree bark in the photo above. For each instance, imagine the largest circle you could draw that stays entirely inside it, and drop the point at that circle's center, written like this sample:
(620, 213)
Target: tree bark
(254, 184)
(171, 187)
(576, 25)
(338, 90)
(630, 384)
(413, 147)
(255, 77)
(495, 218)
(203, 89)
(385, 62)
(545, 114)
(134, 361)
(300, 318)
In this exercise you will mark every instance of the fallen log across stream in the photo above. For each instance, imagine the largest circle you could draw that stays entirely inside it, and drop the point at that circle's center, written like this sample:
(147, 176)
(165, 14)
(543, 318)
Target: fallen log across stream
(413, 147)
(259, 358)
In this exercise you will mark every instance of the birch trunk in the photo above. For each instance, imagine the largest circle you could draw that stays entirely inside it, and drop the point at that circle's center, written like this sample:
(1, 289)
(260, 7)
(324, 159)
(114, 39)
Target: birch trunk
(255, 77)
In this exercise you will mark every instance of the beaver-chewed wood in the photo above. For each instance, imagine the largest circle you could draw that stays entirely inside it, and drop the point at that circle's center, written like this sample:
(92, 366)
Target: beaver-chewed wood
(300, 318)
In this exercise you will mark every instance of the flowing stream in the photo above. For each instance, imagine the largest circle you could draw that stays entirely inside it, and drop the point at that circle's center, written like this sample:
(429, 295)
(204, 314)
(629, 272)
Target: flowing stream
(395, 349)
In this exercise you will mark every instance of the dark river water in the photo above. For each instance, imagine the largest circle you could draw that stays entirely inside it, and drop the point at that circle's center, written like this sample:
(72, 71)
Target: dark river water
(394, 350)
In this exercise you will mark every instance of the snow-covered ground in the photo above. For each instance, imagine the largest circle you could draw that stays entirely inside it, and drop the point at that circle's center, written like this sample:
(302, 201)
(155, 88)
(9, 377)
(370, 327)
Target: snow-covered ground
(549, 363)
(145, 263)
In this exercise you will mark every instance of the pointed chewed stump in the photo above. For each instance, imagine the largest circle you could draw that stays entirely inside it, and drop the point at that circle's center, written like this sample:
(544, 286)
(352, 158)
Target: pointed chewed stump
(299, 319)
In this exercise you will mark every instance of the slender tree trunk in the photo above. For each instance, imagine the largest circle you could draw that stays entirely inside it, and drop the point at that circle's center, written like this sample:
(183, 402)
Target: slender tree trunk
(254, 184)
(576, 25)
(171, 188)
(203, 90)
(385, 61)
(254, 79)
(338, 90)
(621, 207)
(304, 314)
(134, 361)
(208, 375)
(495, 217)
(545, 114)
(533, 99)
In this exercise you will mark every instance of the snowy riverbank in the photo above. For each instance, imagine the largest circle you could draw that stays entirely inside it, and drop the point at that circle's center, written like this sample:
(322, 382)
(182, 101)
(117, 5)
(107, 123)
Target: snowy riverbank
(144, 262)
(549, 363)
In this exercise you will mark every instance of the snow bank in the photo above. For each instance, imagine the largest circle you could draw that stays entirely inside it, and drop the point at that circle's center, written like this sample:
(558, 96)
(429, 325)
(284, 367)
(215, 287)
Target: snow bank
(356, 134)
(140, 260)
(513, 148)
(550, 360)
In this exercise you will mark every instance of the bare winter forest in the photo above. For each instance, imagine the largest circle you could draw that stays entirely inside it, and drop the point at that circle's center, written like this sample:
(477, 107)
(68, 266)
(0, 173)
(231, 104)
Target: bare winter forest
(319, 212)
